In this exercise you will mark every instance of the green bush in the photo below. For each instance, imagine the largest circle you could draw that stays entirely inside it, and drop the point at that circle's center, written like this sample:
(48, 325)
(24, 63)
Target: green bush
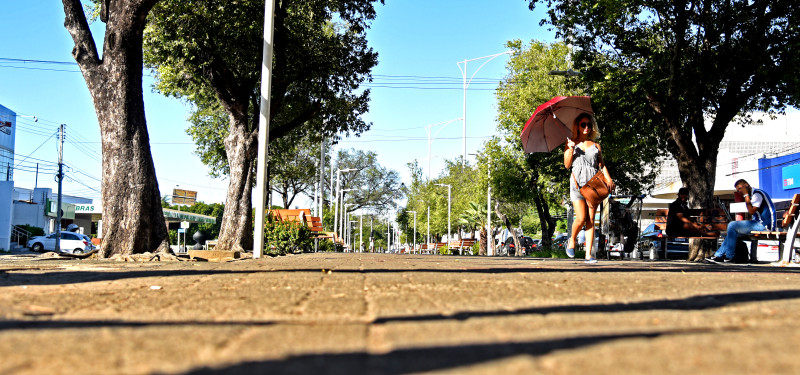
(444, 250)
(284, 237)
(327, 246)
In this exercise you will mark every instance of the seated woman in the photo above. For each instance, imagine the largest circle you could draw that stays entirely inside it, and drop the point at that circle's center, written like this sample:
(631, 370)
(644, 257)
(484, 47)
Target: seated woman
(678, 225)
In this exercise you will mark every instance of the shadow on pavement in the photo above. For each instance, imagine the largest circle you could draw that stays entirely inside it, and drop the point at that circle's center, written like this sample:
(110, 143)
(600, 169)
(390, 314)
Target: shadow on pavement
(12, 277)
(696, 303)
(423, 359)
(703, 302)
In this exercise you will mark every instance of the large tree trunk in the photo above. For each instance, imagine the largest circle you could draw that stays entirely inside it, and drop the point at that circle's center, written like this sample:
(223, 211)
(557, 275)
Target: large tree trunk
(236, 232)
(697, 162)
(133, 221)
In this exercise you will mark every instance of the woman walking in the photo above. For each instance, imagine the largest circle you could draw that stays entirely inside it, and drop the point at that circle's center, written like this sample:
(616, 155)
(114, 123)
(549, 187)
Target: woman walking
(584, 156)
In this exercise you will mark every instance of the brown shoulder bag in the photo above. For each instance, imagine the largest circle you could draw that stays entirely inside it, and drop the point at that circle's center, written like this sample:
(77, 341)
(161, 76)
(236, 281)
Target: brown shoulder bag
(596, 189)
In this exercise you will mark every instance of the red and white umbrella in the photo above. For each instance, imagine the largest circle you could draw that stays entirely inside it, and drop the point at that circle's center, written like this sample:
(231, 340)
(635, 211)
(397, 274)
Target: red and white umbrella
(551, 123)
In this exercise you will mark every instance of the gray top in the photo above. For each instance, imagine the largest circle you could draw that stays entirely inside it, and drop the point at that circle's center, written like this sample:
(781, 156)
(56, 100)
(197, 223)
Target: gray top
(585, 165)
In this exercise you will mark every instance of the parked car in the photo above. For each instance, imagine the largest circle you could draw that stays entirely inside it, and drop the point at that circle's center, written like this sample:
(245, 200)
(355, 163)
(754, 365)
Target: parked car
(560, 241)
(650, 240)
(74, 243)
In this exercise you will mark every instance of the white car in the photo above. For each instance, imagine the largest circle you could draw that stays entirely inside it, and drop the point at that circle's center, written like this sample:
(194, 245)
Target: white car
(71, 242)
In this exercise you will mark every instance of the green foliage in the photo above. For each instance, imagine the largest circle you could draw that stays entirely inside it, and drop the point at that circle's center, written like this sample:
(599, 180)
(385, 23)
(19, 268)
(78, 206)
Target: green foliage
(444, 250)
(327, 246)
(35, 231)
(294, 170)
(211, 230)
(285, 237)
(374, 186)
(209, 53)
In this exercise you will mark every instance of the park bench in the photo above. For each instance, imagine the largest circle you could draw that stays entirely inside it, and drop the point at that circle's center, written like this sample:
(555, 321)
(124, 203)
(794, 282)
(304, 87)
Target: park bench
(785, 234)
(461, 245)
(718, 219)
(302, 216)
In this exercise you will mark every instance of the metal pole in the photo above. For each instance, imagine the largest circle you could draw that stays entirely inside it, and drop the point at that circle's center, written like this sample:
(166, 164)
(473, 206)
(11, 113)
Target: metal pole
(388, 233)
(415, 231)
(336, 204)
(60, 180)
(428, 239)
(321, 178)
(489, 239)
(449, 199)
(263, 127)
(464, 117)
(361, 233)
(332, 190)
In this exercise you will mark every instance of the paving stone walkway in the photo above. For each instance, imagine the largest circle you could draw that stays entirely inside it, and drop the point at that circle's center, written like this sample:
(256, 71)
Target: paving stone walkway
(396, 314)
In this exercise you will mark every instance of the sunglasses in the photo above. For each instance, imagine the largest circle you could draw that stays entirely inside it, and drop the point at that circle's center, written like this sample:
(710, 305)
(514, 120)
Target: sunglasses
(585, 124)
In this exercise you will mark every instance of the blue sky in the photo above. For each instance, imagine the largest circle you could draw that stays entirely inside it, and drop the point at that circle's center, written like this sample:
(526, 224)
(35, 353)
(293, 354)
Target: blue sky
(417, 83)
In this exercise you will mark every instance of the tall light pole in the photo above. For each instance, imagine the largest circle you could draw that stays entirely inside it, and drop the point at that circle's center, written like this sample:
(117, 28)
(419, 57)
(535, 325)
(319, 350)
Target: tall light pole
(360, 232)
(430, 140)
(341, 216)
(415, 231)
(449, 189)
(344, 223)
(466, 84)
(263, 128)
(338, 187)
(489, 238)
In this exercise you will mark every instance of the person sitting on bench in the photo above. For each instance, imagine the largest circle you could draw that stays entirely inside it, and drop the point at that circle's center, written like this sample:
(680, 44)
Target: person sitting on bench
(762, 212)
(678, 222)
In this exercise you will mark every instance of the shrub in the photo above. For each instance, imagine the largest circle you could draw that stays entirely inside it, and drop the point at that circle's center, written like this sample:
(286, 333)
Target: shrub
(283, 237)
(444, 250)
(327, 246)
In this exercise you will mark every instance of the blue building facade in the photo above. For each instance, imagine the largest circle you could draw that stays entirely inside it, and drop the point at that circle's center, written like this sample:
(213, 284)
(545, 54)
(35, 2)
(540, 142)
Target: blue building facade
(780, 176)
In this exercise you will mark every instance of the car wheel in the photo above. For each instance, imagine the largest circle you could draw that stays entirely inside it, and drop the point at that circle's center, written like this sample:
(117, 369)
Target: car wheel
(77, 251)
(37, 247)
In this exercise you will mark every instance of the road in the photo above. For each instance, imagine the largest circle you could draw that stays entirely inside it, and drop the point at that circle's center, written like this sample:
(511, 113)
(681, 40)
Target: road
(394, 314)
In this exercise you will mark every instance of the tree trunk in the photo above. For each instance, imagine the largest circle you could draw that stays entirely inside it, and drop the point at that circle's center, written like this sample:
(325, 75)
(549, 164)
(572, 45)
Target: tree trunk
(697, 166)
(542, 208)
(511, 230)
(133, 221)
(236, 232)
(484, 242)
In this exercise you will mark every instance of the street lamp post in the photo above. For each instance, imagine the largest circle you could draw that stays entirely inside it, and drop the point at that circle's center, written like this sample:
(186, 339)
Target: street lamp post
(466, 84)
(415, 231)
(360, 232)
(430, 140)
(344, 223)
(449, 189)
(341, 216)
(336, 212)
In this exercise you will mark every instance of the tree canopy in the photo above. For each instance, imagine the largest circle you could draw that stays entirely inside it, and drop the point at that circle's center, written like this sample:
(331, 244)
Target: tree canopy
(690, 68)
(209, 53)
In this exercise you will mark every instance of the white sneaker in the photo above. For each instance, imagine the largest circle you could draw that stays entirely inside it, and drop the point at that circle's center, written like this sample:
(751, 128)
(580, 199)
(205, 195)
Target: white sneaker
(571, 253)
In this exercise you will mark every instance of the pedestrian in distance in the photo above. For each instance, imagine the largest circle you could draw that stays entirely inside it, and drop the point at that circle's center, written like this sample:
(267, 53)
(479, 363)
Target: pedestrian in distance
(584, 156)
(762, 217)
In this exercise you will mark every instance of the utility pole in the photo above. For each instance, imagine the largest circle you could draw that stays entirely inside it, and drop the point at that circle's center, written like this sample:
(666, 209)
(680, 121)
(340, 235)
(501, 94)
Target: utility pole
(60, 178)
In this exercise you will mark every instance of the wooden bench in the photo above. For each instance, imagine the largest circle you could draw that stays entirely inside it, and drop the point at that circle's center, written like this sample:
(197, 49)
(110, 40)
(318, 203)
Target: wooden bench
(302, 215)
(464, 243)
(717, 218)
(785, 234)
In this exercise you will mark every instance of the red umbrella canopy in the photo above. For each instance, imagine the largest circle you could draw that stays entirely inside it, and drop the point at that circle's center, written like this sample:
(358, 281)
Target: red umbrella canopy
(551, 123)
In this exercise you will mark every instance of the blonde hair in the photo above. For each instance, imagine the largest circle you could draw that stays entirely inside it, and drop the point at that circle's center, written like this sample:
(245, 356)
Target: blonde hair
(576, 129)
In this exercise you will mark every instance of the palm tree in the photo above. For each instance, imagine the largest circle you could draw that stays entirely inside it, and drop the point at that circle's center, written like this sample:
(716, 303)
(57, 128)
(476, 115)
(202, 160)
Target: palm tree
(475, 215)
